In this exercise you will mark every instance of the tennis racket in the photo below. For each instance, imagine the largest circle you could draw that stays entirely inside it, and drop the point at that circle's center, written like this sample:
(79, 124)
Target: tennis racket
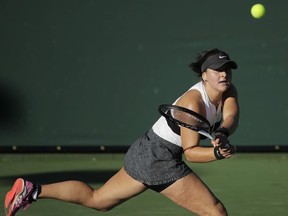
(186, 118)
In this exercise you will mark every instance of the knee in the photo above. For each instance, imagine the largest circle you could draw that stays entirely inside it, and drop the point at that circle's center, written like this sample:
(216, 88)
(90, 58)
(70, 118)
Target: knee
(220, 209)
(103, 209)
(101, 205)
(217, 209)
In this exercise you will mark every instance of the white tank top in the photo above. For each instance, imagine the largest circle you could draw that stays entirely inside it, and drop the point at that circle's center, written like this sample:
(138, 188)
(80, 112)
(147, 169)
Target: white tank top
(162, 129)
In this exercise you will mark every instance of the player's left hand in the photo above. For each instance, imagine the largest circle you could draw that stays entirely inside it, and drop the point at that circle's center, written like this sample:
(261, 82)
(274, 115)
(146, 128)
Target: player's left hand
(222, 141)
(219, 140)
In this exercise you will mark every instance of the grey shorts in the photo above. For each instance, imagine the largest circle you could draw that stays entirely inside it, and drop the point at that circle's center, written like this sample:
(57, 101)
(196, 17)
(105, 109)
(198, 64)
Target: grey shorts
(155, 161)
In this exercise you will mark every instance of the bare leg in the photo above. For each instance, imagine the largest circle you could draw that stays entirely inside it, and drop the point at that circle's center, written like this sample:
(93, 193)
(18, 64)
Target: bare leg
(116, 190)
(191, 193)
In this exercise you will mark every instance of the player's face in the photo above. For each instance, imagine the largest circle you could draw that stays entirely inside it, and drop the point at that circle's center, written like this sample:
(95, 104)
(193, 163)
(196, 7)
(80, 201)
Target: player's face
(219, 79)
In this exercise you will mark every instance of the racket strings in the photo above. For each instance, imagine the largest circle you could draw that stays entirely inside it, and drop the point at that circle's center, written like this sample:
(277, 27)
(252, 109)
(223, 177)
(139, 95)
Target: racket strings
(177, 116)
(188, 119)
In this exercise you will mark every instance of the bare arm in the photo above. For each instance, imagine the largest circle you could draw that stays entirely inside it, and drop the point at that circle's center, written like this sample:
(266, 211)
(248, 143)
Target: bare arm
(230, 110)
(229, 124)
(191, 139)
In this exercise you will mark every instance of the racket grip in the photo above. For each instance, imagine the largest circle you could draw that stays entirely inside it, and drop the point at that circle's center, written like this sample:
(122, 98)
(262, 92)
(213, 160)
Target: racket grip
(222, 130)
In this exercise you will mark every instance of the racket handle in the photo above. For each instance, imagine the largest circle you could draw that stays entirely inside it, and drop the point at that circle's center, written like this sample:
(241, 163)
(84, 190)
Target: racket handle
(206, 134)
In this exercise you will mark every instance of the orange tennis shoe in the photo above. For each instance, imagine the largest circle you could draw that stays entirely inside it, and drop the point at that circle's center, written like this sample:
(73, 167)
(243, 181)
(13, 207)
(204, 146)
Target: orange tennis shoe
(20, 196)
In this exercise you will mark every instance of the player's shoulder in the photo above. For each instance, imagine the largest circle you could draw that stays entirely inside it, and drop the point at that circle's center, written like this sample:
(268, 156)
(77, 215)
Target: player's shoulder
(191, 99)
(192, 95)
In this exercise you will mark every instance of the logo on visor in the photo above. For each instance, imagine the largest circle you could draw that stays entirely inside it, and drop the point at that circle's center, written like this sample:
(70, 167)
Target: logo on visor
(221, 57)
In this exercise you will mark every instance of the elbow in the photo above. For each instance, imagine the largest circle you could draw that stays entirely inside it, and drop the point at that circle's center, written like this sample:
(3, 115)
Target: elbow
(190, 157)
(188, 153)
(199, 156)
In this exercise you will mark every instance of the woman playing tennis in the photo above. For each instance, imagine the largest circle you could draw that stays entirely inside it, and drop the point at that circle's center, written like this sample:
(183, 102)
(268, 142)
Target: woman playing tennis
(154, 161)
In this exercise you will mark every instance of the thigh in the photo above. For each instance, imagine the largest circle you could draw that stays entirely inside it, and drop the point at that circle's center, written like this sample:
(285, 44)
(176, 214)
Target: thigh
(116, 190)
(191, 192)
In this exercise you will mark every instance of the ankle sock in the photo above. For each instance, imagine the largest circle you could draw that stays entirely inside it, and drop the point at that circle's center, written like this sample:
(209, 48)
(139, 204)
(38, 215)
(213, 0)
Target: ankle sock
(36, 192)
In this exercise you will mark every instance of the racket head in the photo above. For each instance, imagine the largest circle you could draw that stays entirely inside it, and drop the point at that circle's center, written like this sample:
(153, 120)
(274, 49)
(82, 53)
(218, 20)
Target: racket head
(186, 118)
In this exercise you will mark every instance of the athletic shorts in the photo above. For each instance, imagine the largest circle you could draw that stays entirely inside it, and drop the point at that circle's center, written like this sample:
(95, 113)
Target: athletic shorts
(155, 162)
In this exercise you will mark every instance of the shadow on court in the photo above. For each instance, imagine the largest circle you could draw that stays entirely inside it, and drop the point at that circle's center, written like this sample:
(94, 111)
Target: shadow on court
(90, 177)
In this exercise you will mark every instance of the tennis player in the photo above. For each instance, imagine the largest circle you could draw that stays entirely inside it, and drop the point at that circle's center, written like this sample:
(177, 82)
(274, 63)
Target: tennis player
(154, 161)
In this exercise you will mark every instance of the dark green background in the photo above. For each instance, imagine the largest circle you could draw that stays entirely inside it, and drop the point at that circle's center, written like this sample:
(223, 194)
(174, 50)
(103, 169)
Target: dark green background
(94, 72)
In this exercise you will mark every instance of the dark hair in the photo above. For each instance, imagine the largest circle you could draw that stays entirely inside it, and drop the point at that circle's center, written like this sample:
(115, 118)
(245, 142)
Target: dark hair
(200, 59)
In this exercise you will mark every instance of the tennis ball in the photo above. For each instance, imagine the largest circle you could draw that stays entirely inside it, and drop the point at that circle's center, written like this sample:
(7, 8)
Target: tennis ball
(258, 11)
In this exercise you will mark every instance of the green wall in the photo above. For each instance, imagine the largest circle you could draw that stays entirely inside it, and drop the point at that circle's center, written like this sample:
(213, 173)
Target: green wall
(94, 72)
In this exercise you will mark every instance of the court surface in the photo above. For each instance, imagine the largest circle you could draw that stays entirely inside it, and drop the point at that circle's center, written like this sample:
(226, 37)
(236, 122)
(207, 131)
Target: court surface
(248, 184)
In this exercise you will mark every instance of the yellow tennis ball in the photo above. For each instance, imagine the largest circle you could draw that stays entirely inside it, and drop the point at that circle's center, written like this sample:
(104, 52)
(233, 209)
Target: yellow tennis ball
(258, 11)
